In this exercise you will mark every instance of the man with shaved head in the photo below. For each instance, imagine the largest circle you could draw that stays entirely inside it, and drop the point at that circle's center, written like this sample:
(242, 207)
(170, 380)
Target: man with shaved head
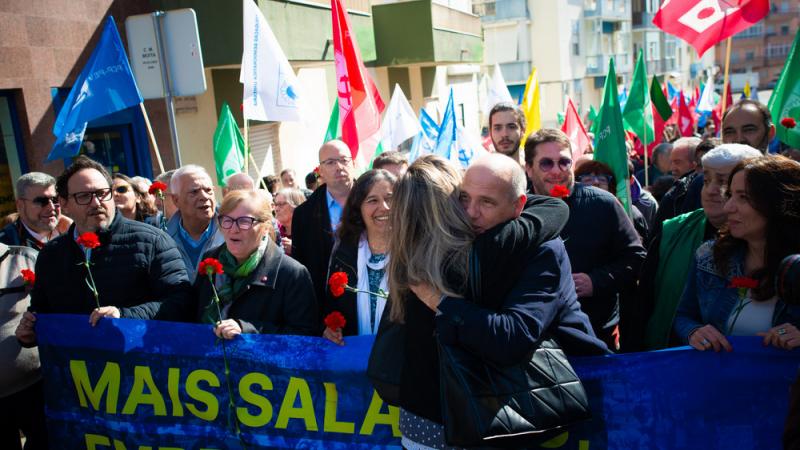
(315, 221)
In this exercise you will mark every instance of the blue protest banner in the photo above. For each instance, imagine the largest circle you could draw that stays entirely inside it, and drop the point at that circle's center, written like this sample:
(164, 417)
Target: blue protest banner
(448, 130)
(104, 86)
(132, 384)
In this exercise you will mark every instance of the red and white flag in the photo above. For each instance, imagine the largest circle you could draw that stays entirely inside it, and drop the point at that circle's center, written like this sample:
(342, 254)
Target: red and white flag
(573, 128)
(685, 117)
(704, 23)
(360, 104)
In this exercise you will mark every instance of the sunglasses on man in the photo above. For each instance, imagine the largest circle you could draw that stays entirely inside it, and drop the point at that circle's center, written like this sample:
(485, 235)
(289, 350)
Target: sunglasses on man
(43, 201)
(547, 164)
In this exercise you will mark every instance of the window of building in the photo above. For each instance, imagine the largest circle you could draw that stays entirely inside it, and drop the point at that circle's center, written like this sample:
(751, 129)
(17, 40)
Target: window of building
(750, 55)
(784, 30)
(784, 6)
(576, 38)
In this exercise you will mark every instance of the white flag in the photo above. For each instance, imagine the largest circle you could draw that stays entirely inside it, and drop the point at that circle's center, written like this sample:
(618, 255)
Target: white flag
(707, 103)
(271, 89)
(399, 121)
(498, 91)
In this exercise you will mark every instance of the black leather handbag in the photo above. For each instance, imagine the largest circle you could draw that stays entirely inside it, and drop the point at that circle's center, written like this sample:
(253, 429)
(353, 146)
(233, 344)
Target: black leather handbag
(487, 404)
(385, 366)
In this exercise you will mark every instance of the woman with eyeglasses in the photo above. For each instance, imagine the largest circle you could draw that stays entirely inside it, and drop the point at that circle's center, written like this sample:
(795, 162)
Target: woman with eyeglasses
(362, 252)
(286, 200)
(261, 289)
(599, 175)
(130, 200)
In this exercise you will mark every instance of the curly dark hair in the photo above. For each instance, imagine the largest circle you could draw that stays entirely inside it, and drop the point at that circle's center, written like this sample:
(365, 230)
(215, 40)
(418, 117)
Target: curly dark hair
(772, 184)
(353, 225)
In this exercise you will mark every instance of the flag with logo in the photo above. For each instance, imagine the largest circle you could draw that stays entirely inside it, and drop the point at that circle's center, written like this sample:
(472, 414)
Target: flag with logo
(229, 152)
(271, 90)
(360, 104)
(637, 115)
(425, 141)
(573, 128)
(685, 118)
(609, 140)
(104, 86)
(399, 122)
(704, 23)
(708, 100)
(785, 99)
(530, 105)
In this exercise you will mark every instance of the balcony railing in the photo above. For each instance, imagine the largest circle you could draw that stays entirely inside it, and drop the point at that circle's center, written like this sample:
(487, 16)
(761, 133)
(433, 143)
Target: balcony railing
(598, 64)
(607, 9)
(506, 10)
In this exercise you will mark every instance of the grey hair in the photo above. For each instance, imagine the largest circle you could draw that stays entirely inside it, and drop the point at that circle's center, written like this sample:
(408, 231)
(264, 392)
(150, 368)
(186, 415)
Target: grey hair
(31, 179)
(166, 178)
(293, 196)
(690, 141)
(728, 155)
(142, 180)
(175, 182)
(430, 245)
(246, 176)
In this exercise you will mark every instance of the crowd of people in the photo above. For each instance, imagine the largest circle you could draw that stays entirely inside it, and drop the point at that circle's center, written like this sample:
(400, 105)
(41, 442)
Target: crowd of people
(527, 243)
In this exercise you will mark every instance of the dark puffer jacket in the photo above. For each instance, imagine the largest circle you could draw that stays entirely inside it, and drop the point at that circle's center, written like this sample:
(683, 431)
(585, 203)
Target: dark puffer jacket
(137, 268)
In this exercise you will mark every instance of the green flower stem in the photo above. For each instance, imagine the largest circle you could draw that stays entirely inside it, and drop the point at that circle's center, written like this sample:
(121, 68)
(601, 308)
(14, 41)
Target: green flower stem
(92, 286)
(232, 419)
(738, 309)
(380, 293)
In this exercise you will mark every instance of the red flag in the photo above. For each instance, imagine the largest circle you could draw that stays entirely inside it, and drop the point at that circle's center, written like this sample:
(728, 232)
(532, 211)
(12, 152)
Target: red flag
(673, 119)
(702, 24)
(716, 113)
(573, 127)
(658, 130)
(685, 119)
(360, 104)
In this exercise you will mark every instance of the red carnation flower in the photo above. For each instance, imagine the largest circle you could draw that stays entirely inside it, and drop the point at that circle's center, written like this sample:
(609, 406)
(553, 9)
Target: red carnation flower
(788, 122)
(89, 240)
(157, 188)
(210, 266)
(559, 191)
(744, 282)
(338, 282)
(28, 277)
(316, 171)
(335, 320)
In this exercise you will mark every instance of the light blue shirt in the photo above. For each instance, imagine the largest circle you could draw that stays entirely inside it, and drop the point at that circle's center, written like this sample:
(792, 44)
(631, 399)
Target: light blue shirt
(334, 211)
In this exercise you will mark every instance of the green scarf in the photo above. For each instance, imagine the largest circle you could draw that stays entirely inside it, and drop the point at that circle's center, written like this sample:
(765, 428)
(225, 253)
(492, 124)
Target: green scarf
(234, 279)
(680, 238)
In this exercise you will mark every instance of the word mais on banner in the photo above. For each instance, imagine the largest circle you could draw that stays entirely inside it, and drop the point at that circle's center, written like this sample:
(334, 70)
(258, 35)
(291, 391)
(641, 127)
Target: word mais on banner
(134, 384)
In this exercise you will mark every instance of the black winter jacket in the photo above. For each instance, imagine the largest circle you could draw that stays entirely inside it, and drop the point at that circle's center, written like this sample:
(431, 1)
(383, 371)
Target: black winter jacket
(279, 297)
(602, 243)
(137, 268)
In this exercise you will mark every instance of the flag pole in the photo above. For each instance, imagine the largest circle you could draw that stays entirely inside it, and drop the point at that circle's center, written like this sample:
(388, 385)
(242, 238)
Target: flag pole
(152, 137)
(258, 171)
(644, 141)
(725, 82)
(246, 144)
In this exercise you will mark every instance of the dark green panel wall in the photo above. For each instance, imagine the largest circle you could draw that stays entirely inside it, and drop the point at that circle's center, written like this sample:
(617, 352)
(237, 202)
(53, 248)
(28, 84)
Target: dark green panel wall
(449, 47)
(301, 30)
(403, 33)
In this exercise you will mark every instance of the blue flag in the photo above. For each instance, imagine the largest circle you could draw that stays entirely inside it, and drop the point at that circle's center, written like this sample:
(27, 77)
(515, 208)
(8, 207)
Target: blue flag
(671, 91)
(448, 130)
(424, 142)
(104, 86)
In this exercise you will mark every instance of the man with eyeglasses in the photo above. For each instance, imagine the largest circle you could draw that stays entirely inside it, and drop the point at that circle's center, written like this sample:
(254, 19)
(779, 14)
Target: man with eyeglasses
(194, 225)
(39, 212)
(603, 247)
(137, 270)
(315, 221)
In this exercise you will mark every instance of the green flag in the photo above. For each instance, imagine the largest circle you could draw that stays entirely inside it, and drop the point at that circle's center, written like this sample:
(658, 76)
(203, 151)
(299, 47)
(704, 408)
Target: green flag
(593, 118)
(228, 146)
(560, 118)
(638, 115)
(609, 140)
(334, 132)
(785, 99)
(659, 100)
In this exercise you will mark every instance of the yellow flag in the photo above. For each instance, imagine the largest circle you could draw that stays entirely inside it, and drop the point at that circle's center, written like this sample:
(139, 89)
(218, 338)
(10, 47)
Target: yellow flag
(747, 89)
(530, 106)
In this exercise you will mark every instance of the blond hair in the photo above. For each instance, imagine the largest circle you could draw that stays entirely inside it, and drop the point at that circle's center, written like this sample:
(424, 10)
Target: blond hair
(262, 206)
(431, 233)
